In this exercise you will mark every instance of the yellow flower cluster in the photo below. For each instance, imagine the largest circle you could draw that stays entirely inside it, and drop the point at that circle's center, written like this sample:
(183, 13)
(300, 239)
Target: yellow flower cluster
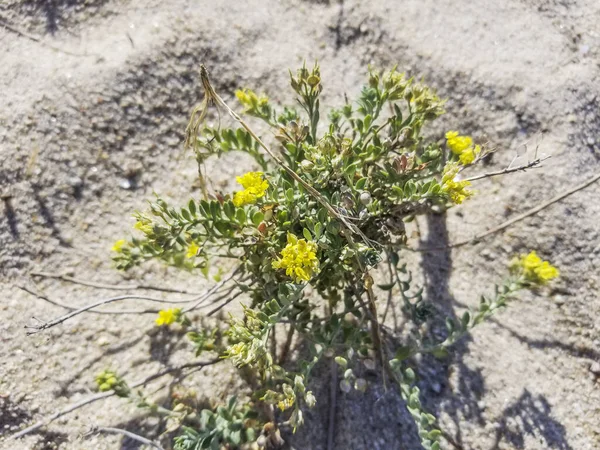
(463, 147)
(144, 225)
(167, 316)
(456, 190)
(250, 99)
(534, 268)
(192, 250)
(118, 247)
(298, 258)
(106, 380)
(254, 188)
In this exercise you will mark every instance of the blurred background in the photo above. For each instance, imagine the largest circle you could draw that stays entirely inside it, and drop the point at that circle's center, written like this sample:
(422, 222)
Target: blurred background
(94, 99)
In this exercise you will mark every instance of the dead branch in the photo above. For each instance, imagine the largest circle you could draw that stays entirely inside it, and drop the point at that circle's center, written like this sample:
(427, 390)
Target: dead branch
(516, 219)
(13, 29)
(530, 165)
(65, 317)
(114, 287)
(129, 434)
(73, 308)
(212, 290)
(103, 395)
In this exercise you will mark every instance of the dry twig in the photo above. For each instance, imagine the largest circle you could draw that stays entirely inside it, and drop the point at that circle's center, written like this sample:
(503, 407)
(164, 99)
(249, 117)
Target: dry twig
(516, 219)
(102, 395)
(4, 23)
(129, 434)
(114, 287)
(530, 165)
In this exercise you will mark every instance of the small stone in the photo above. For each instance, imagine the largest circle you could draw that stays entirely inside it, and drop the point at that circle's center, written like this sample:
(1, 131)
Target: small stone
(125, 184)
(584, 49)
(595, 368)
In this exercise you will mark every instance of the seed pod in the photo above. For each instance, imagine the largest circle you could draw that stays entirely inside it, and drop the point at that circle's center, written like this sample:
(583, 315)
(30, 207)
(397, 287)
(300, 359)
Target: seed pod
(365, 198)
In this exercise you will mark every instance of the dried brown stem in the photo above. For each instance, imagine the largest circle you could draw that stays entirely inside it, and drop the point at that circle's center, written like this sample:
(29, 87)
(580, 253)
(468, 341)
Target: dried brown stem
(4, 23)
(103, 395)
(530, 165)
(114, 287)
(73, 308)
(516, 219)
(129, 434)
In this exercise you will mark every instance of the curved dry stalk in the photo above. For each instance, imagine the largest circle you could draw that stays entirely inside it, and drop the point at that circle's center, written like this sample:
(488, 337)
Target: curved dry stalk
(212, 290)
(65, 317)
(4, 23)
(76, 311)
(129, 434)
(114, 287)
(73, 308)
(514, 220)
(535, 164)
(102, 395)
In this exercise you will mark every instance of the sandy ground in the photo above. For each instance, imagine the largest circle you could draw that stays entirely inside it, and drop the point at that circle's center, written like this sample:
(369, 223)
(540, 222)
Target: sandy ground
(87, 134)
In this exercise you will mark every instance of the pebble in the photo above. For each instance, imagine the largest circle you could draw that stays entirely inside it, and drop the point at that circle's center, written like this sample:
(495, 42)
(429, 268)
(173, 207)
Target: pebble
(125, 184)
(595, 368)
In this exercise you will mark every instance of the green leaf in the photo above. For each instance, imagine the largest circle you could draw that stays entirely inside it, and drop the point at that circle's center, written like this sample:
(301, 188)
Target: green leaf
(360, 184)
(186, 215)
(240, 215)
(440, 353)
(204, 208)
(434, 434)
(318, 229)
(289, 195)
(466, 318)
(307, 234)
(257, 218)
(229, 209)
(215, 209)
(386, 287)
(192, 207)
(236, 437)
(403, 352)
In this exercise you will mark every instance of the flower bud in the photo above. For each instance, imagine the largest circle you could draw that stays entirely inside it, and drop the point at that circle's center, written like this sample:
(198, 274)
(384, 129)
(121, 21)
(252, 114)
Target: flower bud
(365, 198)
(310, 399)
(341, 361)
(360, 384)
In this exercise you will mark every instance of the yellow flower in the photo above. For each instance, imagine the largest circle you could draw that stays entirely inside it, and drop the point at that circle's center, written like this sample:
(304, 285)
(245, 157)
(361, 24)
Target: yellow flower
(456, 190)
(547, 272)
(144, 225)
(192, 250)
(458, 143)
(254, 188)
(167, 316)
(469, 155)
(463, 147)
(299, 259)
(118, 247)
(534, 268)
(531, 262)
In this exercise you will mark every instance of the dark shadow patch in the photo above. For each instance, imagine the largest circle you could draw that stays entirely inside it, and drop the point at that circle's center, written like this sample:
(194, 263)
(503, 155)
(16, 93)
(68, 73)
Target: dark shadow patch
(530, 415)
(11, 217)
(544, 344)
(65, 388)
(12, 414)
(51, 15)
(587, 132)
(48, 216)
(435, 373)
